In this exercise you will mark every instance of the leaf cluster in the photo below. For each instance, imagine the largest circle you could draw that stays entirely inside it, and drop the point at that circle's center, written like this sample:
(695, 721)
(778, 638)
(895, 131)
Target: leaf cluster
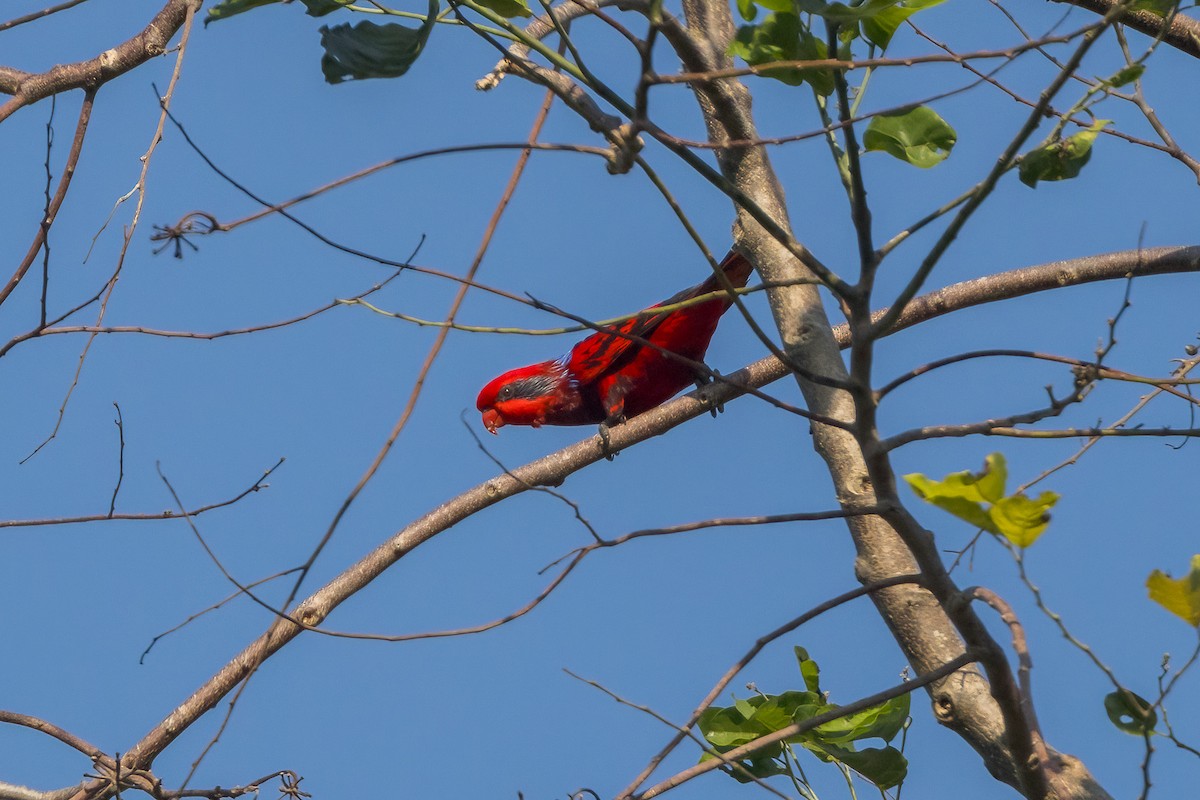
(832, 742)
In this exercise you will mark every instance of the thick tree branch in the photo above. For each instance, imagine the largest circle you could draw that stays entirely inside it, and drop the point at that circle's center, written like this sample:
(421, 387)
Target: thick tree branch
(554, 468)
(1179, 31)
(28, 88)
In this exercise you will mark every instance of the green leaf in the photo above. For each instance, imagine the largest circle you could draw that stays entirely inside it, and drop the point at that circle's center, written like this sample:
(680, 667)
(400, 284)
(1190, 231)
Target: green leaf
(885, 767)
(1130, 712)
(752, 717)
(727, 727)
(319, 8)
(1181, 597)
(887, 16)
(745, 708)
(883, 721)
(1022, 520)
(759, 766)
(776, 713)
(783, 37)
(812, 48)
(916, 135)
(508, 8)
(231, 8)
(1061, 159)
(1125, 75)
(747, 10)
(809, 670)
(368, 50)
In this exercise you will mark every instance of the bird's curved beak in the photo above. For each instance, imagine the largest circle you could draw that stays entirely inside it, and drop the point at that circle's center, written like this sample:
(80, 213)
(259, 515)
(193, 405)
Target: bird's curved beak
(492, 420)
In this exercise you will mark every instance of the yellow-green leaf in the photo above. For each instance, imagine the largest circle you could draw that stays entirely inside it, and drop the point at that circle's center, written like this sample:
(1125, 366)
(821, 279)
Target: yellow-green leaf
(1181, 597)
(985, 485)
(1022, 520)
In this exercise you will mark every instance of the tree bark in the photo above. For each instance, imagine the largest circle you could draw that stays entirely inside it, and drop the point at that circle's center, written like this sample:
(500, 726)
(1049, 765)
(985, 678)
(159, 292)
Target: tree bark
(925, 632)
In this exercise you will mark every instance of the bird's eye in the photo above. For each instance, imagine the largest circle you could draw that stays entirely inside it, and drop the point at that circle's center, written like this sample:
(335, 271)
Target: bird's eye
(506, 393)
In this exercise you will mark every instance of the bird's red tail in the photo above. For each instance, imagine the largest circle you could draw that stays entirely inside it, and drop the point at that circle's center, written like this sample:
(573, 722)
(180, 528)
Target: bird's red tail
(737, 269)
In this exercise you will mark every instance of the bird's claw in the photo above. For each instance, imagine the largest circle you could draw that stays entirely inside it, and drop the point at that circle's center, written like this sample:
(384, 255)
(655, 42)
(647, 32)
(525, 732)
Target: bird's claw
(605, 441)
(703, 381)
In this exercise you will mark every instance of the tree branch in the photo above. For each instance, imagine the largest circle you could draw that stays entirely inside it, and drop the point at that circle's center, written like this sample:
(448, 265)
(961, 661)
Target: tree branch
(553, 469)
(28, 88)
(1179, 31)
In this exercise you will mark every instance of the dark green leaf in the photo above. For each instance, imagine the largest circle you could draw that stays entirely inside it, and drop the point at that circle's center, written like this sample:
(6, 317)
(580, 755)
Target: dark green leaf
(747, 10)
(775, 39)
(231, 8)
(761, 766)
(368, 50)
(319, 8)
(508, 8)
(1130, 712)
(1181, 597)
(916, 135)
(812, 48)
(885, 767)
(1061, 159)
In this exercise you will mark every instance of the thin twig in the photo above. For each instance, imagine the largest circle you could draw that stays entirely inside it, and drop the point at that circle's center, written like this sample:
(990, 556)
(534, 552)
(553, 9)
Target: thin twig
(215, 606)
(41, 14)
(60, 194)
(258, 485)
(434, 350)
(120, 423)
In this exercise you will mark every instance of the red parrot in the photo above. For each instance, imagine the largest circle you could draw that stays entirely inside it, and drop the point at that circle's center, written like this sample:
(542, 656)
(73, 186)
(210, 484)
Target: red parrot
(608, 377)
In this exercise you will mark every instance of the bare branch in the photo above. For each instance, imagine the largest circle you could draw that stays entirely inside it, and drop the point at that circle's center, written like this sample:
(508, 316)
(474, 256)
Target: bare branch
(1022, 696)
(553, 468)
(27, 88)
(60, 194)
(50, 729)
(166, 514)
(40, 14)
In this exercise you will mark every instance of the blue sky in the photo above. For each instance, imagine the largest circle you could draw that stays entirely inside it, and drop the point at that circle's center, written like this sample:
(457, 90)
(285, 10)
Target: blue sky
(657, 621)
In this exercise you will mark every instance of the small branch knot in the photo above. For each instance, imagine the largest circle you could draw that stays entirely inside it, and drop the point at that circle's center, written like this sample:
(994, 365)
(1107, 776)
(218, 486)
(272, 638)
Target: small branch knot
(626, 144)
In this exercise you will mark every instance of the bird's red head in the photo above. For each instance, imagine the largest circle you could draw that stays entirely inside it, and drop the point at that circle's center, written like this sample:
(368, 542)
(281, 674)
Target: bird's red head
(521, 396)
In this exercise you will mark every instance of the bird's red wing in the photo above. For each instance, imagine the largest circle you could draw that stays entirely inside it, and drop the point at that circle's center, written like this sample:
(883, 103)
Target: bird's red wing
(596, 354)
(599, 352)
